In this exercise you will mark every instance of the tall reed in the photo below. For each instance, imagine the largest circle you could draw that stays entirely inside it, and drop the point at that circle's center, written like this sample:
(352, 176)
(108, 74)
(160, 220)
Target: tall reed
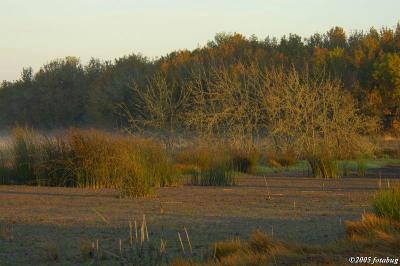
(24, 151)
(89, 159)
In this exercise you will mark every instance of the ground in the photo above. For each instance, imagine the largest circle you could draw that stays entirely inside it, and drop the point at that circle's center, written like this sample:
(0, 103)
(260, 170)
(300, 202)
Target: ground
(38, 223)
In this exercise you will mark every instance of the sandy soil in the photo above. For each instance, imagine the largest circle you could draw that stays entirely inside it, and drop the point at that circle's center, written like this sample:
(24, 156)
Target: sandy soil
(35, 221)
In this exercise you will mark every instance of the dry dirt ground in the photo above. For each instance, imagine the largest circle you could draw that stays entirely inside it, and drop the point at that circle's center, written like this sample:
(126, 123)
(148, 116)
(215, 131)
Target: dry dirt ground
(38, 222)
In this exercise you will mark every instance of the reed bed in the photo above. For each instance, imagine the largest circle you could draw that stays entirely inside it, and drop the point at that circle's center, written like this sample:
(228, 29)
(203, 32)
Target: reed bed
(88, 159)
(215, 163)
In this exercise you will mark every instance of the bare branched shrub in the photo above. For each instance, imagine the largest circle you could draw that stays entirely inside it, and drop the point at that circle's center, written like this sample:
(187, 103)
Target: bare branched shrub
(306, 116)
(159, 108)
(316, 119)
(228, 103)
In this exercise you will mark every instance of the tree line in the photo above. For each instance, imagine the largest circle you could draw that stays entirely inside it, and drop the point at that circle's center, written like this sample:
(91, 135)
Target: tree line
(65, 92)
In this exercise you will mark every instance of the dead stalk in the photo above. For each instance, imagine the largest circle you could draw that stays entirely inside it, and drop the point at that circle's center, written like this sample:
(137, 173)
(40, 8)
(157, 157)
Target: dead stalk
(182, 247)
(188, 240)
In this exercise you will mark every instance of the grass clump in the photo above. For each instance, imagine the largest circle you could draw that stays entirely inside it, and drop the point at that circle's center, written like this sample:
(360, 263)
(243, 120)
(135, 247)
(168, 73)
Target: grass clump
(208, 165)
(259, 249)
(5, 169)
(148, 168)
(88, 159)
(387, 203)
(244, 162)
(324, 167)
(374, 234)
(218, 175)
(24, 152)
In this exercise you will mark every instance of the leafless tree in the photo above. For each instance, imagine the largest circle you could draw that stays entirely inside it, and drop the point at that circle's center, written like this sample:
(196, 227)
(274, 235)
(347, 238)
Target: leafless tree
(315, 118)
(228, 103)
(159, 108)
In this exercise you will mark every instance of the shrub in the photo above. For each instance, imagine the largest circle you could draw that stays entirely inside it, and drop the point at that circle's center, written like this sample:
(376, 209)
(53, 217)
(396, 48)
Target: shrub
(387, 203)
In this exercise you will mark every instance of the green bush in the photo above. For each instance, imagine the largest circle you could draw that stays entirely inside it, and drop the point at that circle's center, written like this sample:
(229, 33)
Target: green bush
(387, 203)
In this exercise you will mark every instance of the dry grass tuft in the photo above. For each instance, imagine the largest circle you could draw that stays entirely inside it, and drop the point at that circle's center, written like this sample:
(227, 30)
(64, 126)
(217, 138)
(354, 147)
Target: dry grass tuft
(375, 233)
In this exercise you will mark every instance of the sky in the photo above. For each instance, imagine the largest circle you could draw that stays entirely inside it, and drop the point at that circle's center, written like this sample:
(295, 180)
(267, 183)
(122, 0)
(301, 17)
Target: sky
(33, 33)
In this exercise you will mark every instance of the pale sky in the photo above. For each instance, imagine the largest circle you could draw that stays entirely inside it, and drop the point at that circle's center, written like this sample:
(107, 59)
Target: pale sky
(33, 32)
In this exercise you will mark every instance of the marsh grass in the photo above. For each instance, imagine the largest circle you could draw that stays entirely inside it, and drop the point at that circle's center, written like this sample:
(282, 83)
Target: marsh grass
(372, 234)
(322, 167)
(218, 175)
(387, 203)
(5, 168)
(244, 161)
(88, 159)
(215, 164)
(361, 167)
(24, 147)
